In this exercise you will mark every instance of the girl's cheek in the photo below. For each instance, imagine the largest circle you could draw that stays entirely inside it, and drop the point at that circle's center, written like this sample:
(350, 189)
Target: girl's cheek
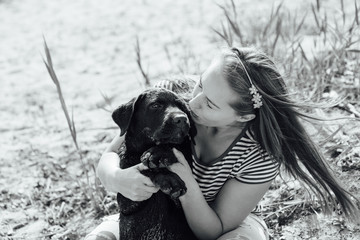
(195, 92)
(192, 105)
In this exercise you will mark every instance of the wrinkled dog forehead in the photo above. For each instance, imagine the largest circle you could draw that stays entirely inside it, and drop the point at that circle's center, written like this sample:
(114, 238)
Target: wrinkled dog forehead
(159, 95)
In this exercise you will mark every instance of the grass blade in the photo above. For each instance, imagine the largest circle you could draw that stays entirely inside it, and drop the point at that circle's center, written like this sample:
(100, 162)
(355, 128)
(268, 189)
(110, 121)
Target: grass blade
(53, 76)
(278, 8)
(234, 9)
(303, 54)
(315, 16)
(278, 32)
(235, 28)
(138, 61)
(231, 22)
(343, 11)
(356, 14)
(353, 50)
(298, 28)
(318, 5)
(47, 52)
(224, 35)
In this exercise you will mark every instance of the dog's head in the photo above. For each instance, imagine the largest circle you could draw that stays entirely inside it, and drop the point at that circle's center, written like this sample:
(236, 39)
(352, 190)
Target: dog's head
(157, 114)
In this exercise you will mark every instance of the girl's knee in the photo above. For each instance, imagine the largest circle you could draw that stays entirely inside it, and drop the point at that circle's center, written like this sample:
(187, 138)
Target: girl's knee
(252, 228)
(103, 235)
(107, 230)
(243, 236)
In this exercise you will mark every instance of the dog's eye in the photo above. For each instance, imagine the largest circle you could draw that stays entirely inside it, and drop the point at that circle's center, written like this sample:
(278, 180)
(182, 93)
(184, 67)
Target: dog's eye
(155, 106)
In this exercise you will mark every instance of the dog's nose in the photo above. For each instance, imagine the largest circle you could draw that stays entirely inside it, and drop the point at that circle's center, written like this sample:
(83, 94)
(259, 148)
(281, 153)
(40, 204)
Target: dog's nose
(180, 120)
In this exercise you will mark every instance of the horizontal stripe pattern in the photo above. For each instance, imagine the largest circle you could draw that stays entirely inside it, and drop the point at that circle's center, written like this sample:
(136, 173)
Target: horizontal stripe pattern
(246, 162)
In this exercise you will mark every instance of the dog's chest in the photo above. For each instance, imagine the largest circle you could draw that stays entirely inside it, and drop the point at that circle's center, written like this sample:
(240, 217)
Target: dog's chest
(128, 158)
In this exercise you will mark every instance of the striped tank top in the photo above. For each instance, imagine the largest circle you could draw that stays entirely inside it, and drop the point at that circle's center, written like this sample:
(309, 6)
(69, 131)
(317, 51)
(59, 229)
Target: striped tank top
(244, 161)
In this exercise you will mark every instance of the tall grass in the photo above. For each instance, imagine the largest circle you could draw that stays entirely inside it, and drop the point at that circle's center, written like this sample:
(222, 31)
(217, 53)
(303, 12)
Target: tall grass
(88, 189)
(311, 48)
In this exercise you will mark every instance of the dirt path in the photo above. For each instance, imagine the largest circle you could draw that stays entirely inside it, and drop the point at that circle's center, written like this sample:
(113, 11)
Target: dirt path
(92, 44)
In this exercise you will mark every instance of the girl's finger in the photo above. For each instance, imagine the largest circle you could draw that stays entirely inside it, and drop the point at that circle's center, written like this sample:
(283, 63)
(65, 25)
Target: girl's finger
(151, 189)
(141, 167)
(174, 167)
(179, 156)
(141, 197)
(147, 181)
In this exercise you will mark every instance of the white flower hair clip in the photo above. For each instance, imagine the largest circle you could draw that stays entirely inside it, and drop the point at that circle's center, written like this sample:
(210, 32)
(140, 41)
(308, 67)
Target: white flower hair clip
(256, 97)
(257, 102)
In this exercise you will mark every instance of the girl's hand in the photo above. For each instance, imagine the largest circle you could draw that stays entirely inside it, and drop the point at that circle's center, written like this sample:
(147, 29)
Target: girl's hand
(181, 168)
(132, 184)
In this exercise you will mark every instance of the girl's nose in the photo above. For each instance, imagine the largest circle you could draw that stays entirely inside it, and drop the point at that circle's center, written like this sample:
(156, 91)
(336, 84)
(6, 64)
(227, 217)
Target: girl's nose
(194, 103)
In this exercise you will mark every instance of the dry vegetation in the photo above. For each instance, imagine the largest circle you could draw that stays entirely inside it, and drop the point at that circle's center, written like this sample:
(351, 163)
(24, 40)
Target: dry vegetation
(317, 48)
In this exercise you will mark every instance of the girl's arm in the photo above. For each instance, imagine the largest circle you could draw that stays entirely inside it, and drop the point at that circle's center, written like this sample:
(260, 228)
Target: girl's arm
(109, 164)
(232, 205)
(129, 182)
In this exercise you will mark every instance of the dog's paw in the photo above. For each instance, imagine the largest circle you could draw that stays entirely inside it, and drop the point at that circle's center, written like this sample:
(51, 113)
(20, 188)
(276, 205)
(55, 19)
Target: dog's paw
(177, 192)
(158, 157)
(171, 184)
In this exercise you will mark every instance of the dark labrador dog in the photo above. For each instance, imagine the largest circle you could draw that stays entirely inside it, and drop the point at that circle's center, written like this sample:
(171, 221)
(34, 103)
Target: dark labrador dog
(155, 122)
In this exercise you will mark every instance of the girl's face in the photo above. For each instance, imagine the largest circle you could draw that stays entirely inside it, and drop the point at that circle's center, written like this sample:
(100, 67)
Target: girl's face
(212, 95)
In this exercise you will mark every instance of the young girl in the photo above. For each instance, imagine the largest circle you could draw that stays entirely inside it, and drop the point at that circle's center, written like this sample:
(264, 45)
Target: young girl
(246, 128)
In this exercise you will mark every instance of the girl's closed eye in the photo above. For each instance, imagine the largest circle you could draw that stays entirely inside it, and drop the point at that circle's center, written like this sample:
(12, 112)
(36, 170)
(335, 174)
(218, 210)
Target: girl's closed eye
(207, 101)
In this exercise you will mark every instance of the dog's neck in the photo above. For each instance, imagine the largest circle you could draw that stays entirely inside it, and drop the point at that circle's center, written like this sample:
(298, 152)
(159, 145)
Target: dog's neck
(137, 143)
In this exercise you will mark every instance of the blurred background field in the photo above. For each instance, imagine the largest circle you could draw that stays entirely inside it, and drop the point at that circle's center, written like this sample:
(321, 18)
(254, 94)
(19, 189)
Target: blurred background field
(48, 188)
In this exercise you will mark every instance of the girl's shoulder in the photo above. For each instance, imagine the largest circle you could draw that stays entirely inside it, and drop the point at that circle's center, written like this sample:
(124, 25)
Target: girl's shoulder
(246, 140)
(254, 148)
(255, 165)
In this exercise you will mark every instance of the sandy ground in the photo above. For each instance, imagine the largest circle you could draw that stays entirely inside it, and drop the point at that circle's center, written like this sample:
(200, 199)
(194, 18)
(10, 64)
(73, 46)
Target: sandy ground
(92, 44)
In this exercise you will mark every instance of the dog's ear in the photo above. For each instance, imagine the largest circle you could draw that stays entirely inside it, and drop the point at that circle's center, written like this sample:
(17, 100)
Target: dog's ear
(123, 114)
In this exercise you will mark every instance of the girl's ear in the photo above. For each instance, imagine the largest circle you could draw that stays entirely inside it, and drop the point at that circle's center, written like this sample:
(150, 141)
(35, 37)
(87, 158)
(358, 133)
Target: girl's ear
(245, 118)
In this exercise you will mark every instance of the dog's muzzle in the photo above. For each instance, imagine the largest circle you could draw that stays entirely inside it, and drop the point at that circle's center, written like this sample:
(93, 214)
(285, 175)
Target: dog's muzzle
(174, 130)
(181, 121)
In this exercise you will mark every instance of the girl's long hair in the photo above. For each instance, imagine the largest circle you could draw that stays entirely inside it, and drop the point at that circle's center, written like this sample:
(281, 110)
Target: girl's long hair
(277, 127)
